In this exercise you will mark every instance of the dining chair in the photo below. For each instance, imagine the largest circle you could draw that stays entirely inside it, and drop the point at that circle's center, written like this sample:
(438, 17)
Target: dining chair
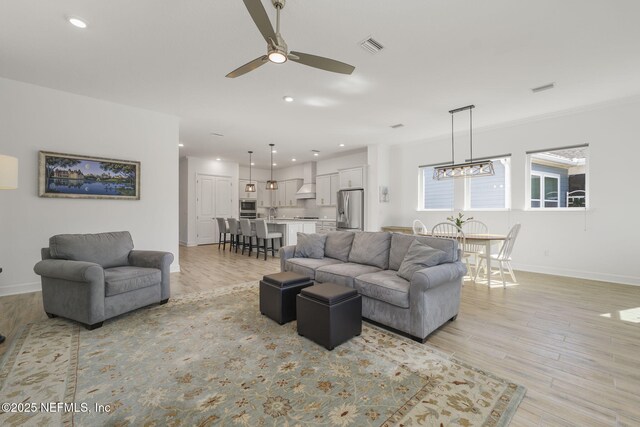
(245, 227)
(473, 249)
(222, 232)
(503, 256)
(262, 232)
(419, 227)
(234, 230)
(449, 230)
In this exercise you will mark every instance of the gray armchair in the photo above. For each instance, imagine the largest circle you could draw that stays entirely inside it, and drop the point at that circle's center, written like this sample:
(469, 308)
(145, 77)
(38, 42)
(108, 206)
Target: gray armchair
(93, 277)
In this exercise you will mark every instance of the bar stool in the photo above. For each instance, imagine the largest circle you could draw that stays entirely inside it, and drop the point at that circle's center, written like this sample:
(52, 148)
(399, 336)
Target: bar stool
(222, 230)
(234, 230)
(262, 232)
(245, 226)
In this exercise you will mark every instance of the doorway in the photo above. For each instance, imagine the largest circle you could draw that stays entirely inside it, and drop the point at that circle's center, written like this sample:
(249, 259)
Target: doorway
(213, 199)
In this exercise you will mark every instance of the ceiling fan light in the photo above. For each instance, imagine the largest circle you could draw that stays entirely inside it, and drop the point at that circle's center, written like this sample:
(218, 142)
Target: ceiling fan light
(277, 57)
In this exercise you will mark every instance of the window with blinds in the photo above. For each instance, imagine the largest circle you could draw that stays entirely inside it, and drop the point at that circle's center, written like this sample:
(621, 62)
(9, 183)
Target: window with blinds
(434, 194)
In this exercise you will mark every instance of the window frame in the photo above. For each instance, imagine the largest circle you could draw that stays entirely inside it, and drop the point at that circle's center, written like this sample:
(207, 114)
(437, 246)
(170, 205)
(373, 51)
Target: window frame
(529, 172)
(421, 208)
(507, 188)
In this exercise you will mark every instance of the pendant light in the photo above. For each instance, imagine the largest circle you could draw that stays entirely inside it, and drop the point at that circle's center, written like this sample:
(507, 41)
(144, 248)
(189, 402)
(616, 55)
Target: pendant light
(469, 169)
(250, 187)
(272, 184)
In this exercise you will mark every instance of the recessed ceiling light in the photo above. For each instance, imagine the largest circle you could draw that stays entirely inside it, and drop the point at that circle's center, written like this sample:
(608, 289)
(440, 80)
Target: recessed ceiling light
(287, 98)
(275, 164)
(77, 22)
(253, 164)
(218, 159)
(181, 145)
(316, 154)
(293, 160)
(341, 145)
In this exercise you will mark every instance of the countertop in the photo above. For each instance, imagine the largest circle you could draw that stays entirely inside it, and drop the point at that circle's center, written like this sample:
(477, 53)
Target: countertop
(283, 220)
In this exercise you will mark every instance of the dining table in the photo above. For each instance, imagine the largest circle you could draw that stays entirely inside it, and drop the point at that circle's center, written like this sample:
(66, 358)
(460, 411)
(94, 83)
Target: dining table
(477, 239)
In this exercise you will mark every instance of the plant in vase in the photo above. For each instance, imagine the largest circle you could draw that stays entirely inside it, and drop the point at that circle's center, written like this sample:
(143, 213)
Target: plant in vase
(460, 220)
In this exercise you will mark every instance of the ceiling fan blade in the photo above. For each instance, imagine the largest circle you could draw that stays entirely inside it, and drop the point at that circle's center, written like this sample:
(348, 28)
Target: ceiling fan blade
(260, 17)
(249, 66)
(321, 62)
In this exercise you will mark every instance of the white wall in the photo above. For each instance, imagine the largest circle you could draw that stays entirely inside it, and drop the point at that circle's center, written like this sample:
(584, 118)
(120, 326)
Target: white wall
(596, 244)
(194, 166)
(184, 200)
(34, 118)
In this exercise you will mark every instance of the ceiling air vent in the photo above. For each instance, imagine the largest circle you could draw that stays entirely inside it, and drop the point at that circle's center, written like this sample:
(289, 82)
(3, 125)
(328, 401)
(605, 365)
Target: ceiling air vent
(399, 125)
(371, 45)
(543, 88)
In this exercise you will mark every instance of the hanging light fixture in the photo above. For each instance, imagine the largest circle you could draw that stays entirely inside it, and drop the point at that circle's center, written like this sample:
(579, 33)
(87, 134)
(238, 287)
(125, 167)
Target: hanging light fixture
(463, 170)
(250, 187)
(272, 184)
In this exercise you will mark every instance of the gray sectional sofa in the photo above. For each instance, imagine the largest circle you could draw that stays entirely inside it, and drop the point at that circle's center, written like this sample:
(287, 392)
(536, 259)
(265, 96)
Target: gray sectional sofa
(369, 262)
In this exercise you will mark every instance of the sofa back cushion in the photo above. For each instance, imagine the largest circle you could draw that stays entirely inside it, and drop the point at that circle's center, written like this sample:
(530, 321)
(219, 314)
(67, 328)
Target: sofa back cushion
(107, 249)
(310, 245)
(338, 245)
(400, 245)
(371, 248)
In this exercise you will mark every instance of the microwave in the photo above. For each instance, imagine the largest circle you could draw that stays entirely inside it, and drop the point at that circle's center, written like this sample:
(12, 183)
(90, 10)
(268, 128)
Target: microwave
(248, 206)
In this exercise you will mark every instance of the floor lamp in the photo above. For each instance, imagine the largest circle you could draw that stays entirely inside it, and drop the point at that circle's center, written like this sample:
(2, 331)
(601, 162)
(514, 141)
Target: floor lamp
(8, 181)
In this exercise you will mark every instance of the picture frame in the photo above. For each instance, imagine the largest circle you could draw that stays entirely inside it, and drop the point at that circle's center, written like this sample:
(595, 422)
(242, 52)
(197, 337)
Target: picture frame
(73, 176)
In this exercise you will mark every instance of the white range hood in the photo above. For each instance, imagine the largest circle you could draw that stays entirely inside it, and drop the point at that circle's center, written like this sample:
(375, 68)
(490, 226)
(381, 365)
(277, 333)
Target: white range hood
(308, 189)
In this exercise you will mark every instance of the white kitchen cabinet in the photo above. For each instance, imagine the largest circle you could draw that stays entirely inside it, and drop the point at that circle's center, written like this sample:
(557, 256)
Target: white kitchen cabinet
(281, 197)
(351, 178)
(243, 195)
(326, 189)
(291, 188)
(265, 197)
(335, 186)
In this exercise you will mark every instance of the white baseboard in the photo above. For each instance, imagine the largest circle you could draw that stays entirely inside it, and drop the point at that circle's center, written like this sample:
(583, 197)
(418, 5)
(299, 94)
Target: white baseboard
(23, 288)
(175, 268)
(579, 274)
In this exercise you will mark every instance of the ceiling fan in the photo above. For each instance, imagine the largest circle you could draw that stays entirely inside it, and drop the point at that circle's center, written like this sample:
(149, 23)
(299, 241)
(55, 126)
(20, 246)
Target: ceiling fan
(277, 50)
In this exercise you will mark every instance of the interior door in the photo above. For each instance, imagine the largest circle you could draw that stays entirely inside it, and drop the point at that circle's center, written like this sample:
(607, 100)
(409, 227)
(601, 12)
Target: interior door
(206, 227)
(223, 199)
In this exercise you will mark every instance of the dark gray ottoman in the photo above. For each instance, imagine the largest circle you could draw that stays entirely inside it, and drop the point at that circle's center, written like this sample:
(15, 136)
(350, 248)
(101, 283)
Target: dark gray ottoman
(278, 295)
(329, 314)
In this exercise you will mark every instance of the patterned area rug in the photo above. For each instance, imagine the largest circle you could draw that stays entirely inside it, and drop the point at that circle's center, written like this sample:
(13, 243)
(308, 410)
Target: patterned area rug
(211, 358)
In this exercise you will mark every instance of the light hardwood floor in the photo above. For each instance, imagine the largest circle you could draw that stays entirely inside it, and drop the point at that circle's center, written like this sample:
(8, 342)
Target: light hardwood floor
(575, 344)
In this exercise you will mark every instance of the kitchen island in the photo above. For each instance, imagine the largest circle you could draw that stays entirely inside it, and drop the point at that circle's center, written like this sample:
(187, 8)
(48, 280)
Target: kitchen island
(290, 228)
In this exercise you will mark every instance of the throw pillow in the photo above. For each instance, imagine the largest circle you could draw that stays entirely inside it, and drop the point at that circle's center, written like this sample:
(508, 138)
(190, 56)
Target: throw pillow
(338, 245)
(310, 246)
(419, 256)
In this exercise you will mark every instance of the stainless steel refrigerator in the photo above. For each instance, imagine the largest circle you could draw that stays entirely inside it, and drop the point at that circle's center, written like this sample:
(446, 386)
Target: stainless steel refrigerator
(350, 211)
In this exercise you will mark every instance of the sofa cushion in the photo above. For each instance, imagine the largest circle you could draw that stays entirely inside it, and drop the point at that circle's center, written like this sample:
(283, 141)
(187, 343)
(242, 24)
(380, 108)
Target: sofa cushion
(119, 280)
(384, 286)
(106, 249)
(310, 245)
(371, 248)
(419, 256)
(400, 245)
(338, 245)
(308, 266)
(343, 273)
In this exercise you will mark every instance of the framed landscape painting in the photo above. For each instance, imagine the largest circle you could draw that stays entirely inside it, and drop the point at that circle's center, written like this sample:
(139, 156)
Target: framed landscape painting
(83, 177)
